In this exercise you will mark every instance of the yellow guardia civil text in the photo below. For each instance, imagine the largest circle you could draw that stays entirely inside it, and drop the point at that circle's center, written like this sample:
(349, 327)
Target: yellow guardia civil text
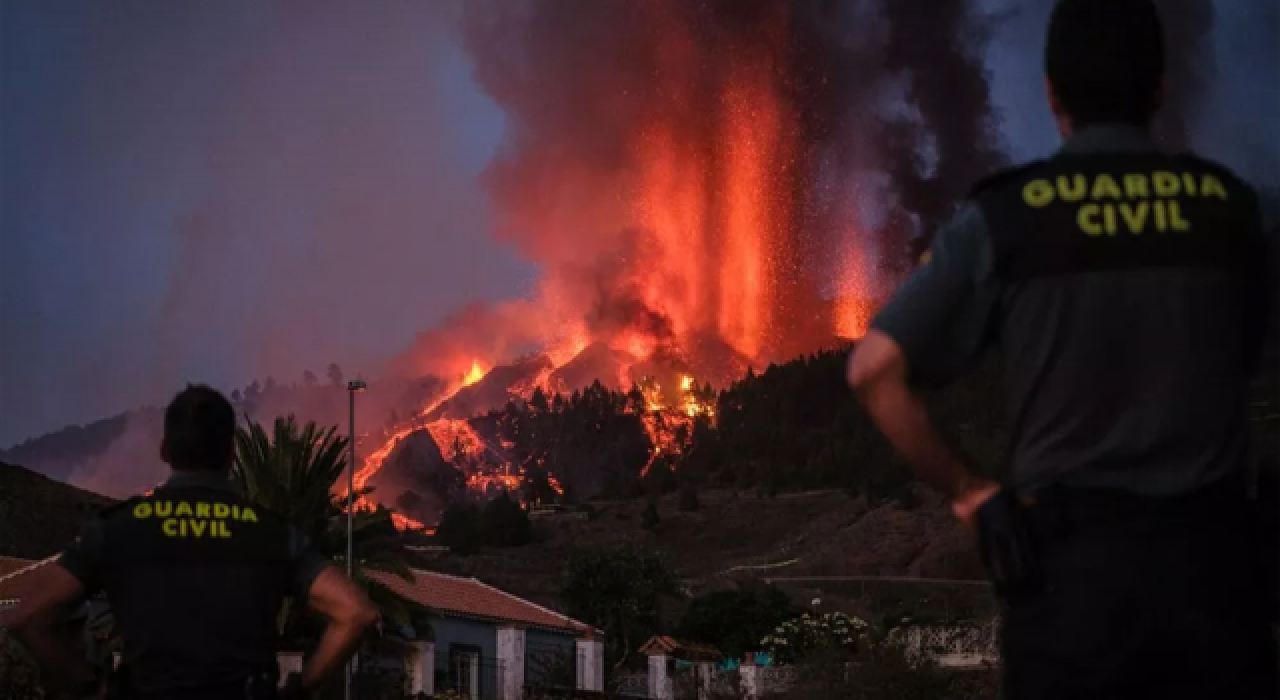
(194, 518)
(1133, 203)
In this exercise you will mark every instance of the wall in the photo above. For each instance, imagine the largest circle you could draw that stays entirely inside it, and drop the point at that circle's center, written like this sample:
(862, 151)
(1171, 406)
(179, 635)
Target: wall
(550, 658)
(451, 630)
(481, 635)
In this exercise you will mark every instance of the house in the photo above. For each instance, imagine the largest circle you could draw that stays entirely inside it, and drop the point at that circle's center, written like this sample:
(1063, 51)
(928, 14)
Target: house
(669, 656)
(15, 581)
(489, 644)
(485, 643)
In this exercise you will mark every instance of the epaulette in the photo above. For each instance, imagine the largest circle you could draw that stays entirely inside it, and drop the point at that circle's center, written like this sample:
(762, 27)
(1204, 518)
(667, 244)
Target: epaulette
(1001, 177)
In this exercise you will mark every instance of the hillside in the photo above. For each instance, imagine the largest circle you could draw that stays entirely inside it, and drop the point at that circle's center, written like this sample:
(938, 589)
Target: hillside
(40, 516)
(736, 539)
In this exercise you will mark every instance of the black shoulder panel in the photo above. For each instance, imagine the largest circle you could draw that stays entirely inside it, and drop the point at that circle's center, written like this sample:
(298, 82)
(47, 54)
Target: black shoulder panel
(119, 507)
(1210, 165)
(1001, 177)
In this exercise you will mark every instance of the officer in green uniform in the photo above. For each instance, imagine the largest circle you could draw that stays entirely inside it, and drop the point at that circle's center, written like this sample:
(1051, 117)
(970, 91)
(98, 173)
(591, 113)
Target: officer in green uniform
(195, 575)
(1127, 290)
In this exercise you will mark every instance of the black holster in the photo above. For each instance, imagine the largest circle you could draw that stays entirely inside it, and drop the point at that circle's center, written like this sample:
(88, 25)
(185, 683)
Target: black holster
(261, 687)
(118, 687)
(1007, 544)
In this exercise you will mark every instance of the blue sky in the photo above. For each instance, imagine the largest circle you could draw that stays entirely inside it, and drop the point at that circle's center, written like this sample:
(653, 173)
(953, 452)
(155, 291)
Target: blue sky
(221, 191)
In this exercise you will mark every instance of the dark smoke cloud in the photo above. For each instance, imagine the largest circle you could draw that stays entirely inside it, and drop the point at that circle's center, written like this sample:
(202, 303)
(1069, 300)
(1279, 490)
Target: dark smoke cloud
(584, 83)
(937, 50)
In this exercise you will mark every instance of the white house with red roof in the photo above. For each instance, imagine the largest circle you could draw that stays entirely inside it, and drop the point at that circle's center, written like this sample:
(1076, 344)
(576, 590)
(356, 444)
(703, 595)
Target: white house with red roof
(486, 644)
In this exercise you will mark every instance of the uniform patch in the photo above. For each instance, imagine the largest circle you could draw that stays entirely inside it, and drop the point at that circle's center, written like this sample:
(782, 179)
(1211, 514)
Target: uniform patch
(194, 518)
(1107, 204)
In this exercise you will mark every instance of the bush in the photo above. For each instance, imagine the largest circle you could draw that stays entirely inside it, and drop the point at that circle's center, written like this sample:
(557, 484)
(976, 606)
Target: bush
(880, 672)
(19, 678)
(504, 523)
(650, 518)
(818, 635)
(466, 528)
(735, 621)
(689, 498)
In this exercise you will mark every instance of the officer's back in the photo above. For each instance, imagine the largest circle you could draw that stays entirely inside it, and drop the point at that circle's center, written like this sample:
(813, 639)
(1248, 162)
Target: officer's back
(1127, 327)
(196, 576)
(194, 573)
(1128, 289)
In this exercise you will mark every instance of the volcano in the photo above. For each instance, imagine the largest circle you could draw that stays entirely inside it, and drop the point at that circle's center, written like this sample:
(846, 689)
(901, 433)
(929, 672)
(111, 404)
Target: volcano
(705, 188)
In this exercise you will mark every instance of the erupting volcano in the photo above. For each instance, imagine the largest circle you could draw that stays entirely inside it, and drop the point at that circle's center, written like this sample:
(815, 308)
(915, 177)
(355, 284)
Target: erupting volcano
(706, 187)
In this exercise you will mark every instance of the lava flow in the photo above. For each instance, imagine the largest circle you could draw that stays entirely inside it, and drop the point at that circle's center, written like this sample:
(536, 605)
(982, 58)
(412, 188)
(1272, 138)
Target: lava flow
(374, 461)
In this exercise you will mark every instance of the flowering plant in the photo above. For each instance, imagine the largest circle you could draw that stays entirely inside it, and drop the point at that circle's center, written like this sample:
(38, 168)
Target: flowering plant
(801, 635)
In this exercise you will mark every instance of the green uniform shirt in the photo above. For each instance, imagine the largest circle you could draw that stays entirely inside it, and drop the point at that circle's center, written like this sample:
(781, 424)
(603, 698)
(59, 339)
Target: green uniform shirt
(1126, 361)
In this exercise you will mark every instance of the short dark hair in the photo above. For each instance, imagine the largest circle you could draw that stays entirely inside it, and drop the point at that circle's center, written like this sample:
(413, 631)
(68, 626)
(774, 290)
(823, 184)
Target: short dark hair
(1105, 60)
(199, 430)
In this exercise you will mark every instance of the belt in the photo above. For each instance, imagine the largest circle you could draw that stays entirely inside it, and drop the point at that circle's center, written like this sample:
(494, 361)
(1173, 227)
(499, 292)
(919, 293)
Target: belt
(1056, 509)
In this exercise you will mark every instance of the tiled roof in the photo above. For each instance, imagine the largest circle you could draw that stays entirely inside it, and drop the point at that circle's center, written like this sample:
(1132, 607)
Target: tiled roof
(443, 594)
(670, 646)
(16, 578)
(470, 598)
(9, 565)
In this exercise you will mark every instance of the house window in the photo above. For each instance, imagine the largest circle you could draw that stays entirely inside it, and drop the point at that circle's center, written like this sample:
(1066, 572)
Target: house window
(464, 670)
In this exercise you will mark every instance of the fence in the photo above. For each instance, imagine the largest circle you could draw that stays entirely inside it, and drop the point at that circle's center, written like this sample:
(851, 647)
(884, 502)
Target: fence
(554, 693)
(551, 665)
(634, 685)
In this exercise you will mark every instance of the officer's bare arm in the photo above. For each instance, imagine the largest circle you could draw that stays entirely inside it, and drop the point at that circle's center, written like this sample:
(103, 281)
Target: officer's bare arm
(39, 623)
(878, 372)
(350, 616)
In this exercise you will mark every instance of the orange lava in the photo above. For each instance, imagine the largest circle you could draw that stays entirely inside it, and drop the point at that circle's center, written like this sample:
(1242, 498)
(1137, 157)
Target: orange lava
(698, 215)
(670, 426)
(475, 374)
(372, 462)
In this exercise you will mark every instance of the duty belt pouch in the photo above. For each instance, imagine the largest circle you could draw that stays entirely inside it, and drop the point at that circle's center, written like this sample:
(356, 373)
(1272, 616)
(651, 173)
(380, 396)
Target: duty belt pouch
(1008, 547)
(118, 686)
(260, 687)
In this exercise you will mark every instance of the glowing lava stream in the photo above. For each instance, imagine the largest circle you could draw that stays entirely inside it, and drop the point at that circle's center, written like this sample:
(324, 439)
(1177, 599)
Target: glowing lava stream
(374, 460)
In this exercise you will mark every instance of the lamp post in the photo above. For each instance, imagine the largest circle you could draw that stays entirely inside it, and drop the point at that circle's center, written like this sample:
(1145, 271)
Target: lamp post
(353, 387)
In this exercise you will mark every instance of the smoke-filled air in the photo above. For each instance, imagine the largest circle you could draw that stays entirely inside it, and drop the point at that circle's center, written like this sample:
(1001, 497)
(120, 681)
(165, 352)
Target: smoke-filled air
(718, 184)
(704, 188)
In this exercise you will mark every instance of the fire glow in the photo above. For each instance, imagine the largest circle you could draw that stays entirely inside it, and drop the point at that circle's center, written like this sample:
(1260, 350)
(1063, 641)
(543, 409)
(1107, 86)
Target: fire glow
(690, 180)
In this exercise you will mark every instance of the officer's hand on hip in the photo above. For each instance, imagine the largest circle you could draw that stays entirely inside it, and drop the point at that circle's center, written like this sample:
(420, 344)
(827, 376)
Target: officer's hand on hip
(971, 498)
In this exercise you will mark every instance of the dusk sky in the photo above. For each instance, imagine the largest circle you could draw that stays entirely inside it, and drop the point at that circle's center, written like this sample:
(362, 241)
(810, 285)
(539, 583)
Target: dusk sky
(226, 190)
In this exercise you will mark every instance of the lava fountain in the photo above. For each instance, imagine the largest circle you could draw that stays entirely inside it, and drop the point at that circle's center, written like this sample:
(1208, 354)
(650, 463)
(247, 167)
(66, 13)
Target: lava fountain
(691, 180)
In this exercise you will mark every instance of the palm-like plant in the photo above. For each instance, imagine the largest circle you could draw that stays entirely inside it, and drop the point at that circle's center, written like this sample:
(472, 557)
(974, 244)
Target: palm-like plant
(293, 473)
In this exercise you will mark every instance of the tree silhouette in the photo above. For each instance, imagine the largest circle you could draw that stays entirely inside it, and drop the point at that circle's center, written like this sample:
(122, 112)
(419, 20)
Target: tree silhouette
(619, 590)
(735, 621)
(293, 471)
(334, 373)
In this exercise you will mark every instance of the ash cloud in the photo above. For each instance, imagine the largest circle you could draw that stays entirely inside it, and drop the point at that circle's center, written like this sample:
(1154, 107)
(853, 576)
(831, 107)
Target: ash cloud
(593, 89)
(217, 191)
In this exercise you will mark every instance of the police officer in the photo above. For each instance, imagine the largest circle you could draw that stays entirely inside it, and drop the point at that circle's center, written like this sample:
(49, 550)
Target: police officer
(195, 575)
(1127, 289)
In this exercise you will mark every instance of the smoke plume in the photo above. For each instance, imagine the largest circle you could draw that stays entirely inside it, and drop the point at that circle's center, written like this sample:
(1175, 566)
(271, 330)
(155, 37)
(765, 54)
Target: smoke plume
(706, 162)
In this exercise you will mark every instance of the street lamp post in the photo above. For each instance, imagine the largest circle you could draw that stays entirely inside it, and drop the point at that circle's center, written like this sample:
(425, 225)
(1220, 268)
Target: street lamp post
(353, 387)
